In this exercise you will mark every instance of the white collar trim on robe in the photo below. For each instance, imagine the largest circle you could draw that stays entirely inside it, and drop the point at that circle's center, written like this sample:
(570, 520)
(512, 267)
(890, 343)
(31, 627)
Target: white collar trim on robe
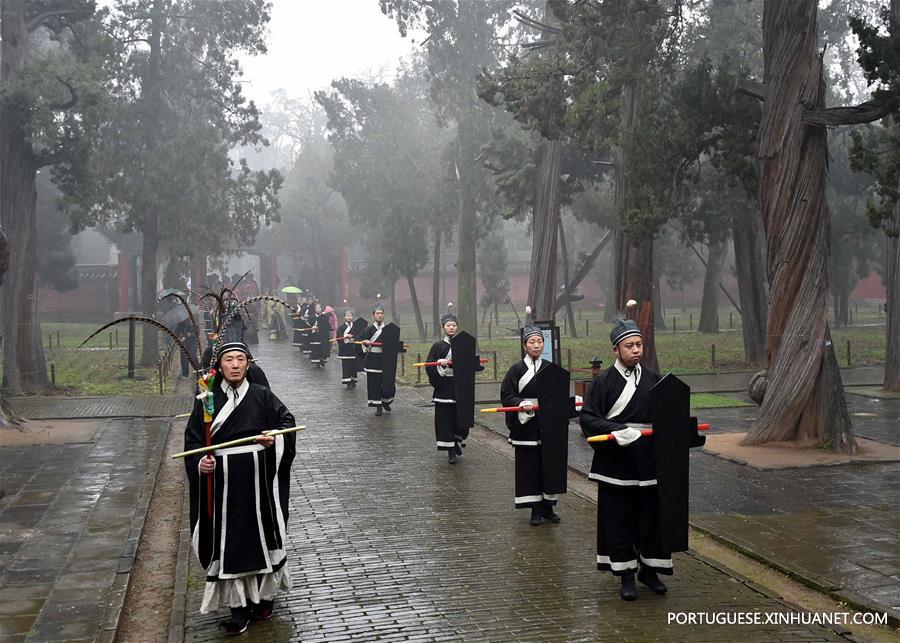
(448, 371)
(230, 404)
(631, 381)
(532, 367)
(347, 332)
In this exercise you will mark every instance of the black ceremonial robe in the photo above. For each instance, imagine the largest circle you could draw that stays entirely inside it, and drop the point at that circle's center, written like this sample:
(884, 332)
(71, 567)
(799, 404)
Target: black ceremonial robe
(628, 527)
(447, 432)
(242, 545)
(347, 353)
(377, 390)
(525, 430)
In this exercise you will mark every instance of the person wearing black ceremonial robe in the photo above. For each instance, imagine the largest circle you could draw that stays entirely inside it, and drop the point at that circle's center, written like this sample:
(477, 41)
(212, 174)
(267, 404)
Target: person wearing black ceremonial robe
(520, 388)
(347, 350)
(318, 336)
(450, 437)
(629, 536)
(380, 392)
(241, 540)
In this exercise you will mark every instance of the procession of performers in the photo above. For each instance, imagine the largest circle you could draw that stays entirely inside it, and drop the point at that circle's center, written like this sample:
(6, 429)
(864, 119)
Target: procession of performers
(239, 495)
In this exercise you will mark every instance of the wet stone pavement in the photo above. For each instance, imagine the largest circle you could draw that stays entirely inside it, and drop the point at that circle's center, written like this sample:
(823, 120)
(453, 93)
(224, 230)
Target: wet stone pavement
(833, 527)
(389, 542)
(70, 521)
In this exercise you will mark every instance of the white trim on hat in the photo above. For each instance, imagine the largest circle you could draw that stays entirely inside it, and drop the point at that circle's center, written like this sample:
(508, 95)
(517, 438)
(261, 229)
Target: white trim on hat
(627, 333)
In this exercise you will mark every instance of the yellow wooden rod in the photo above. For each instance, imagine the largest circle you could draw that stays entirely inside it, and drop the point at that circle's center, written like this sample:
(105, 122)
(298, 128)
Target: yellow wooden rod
(233, 443)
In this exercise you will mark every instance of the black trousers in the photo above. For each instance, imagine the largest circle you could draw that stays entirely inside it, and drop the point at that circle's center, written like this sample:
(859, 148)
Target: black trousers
(628, 530)
(447, 432)
(530, 478)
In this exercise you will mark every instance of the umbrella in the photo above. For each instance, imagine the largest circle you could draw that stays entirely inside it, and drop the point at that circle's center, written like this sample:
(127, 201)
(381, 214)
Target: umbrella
(291, 290)
(177, 314)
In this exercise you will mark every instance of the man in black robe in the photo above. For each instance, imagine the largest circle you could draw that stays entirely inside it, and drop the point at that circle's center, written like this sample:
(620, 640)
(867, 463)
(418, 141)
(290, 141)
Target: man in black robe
(629, 536)
(450, 437)
(380, 392)
(347, 350)
(239, 495)
(521, 388)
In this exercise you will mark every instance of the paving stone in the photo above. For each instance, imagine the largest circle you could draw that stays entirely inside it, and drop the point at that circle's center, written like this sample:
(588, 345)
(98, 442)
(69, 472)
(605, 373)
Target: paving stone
(388, 542)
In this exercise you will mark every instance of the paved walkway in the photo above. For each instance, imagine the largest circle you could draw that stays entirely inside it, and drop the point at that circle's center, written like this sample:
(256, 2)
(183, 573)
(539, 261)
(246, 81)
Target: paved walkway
(835, 528)
(70, 522)
(389, 542)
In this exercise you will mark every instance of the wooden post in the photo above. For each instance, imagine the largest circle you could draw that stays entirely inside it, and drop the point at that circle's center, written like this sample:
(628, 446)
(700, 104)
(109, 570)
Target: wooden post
(587, 327)
(418, 370)
(131, 349)
(117, 336)
(403, 362)
(110, 341)
(495, 365)
(691, 322)
(674, 327)
(52, 374)
(713, 356)
(159, 372)
(57, 339)
(489, 330)
(569, 358)
(50, 340)
(848, 352)
(730, 320)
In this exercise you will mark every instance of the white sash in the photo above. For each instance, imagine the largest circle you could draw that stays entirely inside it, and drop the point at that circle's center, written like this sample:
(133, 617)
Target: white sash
(347, 332)
(531, 370)
(230, 404)
(631, 382)
(448, 371)
(374, 338)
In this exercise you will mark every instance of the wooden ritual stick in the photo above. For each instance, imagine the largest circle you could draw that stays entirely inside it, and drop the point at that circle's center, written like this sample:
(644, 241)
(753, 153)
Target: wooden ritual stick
(233, 443)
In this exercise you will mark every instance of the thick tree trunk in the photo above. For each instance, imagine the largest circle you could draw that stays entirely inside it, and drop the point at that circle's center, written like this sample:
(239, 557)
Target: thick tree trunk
(749, 261)
(4, 253)
(467, 294)
(634, 273)
(436, 287)
(573, 330)
(709, 307)
(24, 368)
(152, 92)
(583, 270)
(394, 316)
(545, 226)
(892, 308)
(804, 398)
(420, 324)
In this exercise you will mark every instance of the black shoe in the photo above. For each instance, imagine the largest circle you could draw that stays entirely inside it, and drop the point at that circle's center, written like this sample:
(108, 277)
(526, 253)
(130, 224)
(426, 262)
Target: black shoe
(451, 456)
(536, 518)
(628, 592)
(387, 407)
(649, 578)
(262, 611)
(378, 411)
(239, 621)
(548, 513)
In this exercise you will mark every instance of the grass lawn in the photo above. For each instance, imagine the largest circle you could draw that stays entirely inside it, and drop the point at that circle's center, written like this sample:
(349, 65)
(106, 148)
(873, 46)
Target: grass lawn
(95, 369)
(715, 401)
(680, 353)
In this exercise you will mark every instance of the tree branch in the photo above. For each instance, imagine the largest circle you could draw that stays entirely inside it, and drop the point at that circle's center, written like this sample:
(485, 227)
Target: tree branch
(69, 104)
(751, 88)
(864, 113)
(39, 19)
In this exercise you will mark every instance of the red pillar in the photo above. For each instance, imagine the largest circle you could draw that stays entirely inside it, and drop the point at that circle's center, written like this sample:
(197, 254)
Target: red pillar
(124, 282)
